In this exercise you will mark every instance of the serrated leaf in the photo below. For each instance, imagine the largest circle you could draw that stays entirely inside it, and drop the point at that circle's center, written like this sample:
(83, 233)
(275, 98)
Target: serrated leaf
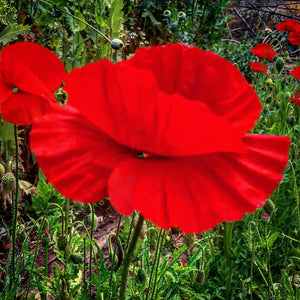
(115, 18)
(11, 32)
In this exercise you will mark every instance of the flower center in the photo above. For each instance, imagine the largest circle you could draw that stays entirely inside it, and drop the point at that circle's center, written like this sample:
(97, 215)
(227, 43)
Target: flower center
(15, 90)
(143, 155)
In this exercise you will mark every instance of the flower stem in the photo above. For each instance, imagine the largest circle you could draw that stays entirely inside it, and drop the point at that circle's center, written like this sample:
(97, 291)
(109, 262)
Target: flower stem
(114, 252)
(91, 248)
(14, 212)
(154, 263)
(128, 256)
(157, 263)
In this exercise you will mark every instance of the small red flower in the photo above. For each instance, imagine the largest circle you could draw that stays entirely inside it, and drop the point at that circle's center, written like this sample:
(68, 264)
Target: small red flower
(258, 67)
(29, 73)
(183, 263)
(293, 27)
(264, 51)
(189, 110)
(296, 98)
(288, 25)
(296, 72)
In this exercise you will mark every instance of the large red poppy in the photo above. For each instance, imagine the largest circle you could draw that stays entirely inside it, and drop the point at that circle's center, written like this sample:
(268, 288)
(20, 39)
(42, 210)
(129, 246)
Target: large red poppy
(263, 51)
(29, 73)
(163, 133)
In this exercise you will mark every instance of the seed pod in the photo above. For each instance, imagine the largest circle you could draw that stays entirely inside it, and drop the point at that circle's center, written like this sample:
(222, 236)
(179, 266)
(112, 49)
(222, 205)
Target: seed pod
(141, 275)
(76, 258)
(269, 206)
(279, 64)
(167, 13)
(62, 242)
(181, 15)
(22, 236)
(200, 276)
(2, 170)
(46, 240)
(8, 182)
(116, 44)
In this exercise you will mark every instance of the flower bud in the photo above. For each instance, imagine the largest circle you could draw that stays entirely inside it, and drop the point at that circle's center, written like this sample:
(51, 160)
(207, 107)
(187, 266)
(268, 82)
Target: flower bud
(141, 275)
(279, 64)
(265, 218)
(116, 44)
(76, 258)
(269, 82)
(8, 182)
(2, 170)
(46, 240)
(200, 276)
(62, 242)
(269, 206)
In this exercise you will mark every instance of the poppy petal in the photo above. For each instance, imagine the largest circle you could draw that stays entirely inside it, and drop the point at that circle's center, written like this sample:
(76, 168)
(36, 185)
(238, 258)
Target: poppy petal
(6, 88)
(289, 25)
(258, 67)
(263, 51)
(294, 38)
(32, 67)
(140, 116)
(75, 156)
(22, 108)
(296, 72)
(202, 75)
(196, 193)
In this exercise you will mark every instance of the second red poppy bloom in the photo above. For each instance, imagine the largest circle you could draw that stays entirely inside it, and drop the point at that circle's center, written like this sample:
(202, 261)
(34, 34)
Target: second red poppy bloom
(29, 73)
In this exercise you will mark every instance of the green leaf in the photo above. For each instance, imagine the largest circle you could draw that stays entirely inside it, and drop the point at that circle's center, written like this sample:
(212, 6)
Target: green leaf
(8, 147)
(11, 32)
(115, 18)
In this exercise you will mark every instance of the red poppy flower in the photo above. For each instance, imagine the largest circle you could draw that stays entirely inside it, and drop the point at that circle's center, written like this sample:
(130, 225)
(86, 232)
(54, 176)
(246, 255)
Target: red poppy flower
(29, 73)
(263, 51)
(296, 72)
(289, 25)
(163, 133)
(296, 98)
(258, 67)
(294, 38)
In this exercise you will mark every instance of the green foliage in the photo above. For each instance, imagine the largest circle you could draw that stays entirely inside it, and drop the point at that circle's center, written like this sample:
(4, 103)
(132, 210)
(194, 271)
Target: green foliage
(11, 32)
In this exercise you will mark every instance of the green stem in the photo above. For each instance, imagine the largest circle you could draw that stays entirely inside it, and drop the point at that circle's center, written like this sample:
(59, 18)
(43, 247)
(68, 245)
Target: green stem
(114, 252)
(80, 20)
(129, 253)
(227, 252)
(67, 209)
(14, 212)
(84, 254)
(154, 263)
(130, 230)
(91, 248)
(157, 263)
